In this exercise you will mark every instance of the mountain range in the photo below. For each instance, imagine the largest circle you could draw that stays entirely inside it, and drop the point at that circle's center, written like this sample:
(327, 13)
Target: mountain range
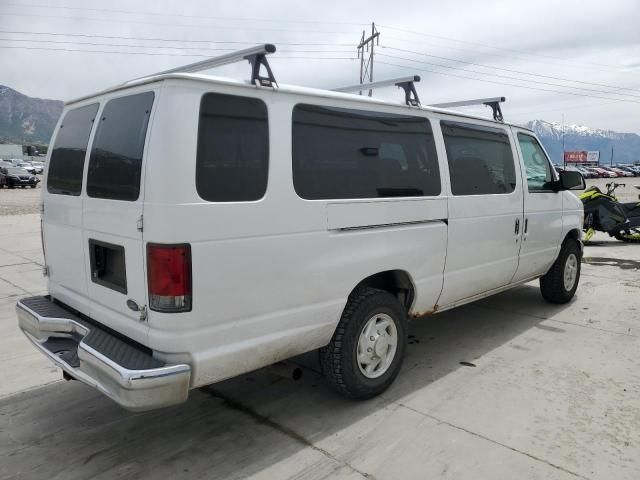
(626, 146)
(28, 120)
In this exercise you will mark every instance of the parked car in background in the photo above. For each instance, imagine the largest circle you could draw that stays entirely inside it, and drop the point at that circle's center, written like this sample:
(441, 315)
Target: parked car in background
(28, 167)
(629, 168)
(586, 173)
(604, 173)
(39, 166)
(18, 177)
(621, 172)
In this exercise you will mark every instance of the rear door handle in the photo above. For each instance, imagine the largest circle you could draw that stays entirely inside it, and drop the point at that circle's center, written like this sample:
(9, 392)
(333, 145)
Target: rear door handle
(517, 226)
(526, 225)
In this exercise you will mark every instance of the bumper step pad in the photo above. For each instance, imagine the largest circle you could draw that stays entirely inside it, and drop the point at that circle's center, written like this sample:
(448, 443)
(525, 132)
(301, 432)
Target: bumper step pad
(121, 369)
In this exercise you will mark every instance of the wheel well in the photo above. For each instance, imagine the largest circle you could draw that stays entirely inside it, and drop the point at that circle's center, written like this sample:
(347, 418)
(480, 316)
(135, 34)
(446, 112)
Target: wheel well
(396, 282)
(573, 234)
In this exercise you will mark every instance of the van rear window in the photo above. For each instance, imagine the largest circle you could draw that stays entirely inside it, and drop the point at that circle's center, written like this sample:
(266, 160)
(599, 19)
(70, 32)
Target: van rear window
(67, 158)
(115, 164)
(232, 162)
(340, 153)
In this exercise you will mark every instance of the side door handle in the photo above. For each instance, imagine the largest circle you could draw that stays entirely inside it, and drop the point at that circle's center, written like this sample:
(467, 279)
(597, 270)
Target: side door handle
(517, 226)
(526, 225)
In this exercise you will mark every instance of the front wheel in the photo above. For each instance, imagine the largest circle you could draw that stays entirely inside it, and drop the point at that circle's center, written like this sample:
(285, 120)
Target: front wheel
(560, 283)
(366, 351)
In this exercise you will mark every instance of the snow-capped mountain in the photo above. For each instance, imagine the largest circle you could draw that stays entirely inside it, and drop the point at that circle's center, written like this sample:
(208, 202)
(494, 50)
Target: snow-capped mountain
(626, 146)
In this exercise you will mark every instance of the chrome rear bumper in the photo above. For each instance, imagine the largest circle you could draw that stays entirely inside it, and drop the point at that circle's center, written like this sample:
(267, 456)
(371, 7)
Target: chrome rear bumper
(126, 373)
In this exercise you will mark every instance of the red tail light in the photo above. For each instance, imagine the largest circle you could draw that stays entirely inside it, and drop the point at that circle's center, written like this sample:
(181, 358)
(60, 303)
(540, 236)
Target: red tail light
(169, 277)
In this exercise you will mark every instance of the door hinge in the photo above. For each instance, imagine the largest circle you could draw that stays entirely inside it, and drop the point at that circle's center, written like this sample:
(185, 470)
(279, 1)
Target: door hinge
(45, 271)
(517, 226)
(143, 313)
(140, 224)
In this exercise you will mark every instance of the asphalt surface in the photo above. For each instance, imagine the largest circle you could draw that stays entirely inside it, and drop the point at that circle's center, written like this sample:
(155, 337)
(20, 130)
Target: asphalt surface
(509, 387)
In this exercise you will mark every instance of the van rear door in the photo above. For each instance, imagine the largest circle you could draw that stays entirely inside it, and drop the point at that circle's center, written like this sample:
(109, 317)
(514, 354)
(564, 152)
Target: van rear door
(62, 199)
(112, 212)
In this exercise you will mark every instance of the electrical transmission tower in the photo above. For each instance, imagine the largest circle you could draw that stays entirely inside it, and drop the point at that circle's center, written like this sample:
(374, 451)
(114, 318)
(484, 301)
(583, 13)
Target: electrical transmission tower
(365, 47)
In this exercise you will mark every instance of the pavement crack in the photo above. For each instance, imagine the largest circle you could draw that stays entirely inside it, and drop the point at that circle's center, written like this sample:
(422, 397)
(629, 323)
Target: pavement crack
(235, 405)
(495, 442)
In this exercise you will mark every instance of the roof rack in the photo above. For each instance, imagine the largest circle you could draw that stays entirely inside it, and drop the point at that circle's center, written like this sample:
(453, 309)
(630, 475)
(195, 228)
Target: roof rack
(494, 103)
(257, 57)
(406, 83)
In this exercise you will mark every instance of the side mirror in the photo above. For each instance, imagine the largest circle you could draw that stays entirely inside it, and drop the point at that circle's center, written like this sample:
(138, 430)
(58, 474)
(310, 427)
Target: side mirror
(570, 180)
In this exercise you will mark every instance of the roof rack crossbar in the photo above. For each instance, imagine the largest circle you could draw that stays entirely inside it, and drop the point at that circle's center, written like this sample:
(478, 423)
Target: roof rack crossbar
(493, 102)
(257, 57)
(406, 83)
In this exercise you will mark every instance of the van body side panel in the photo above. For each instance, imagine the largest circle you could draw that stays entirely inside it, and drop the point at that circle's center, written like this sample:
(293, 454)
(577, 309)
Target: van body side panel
(271, 277)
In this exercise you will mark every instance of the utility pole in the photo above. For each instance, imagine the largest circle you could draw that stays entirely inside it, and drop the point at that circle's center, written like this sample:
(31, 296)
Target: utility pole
(366, 45)
(611, 160)
(564, 159)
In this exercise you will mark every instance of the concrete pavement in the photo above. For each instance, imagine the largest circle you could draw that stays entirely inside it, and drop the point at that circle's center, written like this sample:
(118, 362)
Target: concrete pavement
(546, 392)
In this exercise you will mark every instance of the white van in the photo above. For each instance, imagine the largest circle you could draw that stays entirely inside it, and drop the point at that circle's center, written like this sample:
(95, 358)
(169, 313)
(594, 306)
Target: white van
(196, 228)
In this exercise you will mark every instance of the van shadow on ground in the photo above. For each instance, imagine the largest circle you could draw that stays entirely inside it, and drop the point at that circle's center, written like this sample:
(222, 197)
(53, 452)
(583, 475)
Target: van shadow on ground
(241, 427)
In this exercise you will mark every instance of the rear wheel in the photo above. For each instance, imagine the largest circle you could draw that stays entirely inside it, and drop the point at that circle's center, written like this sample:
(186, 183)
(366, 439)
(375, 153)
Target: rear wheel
(560, 283)
(366, 351)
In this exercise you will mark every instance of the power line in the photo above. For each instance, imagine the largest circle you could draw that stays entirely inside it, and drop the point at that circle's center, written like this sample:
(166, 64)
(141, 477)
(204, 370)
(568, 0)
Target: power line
(132, 12)
(164, 54)
(150, 46)
(508, 84)
(508, 77)
(140, 22)
(450, 39)
(510, 70)
(563, 63)
(173, 40)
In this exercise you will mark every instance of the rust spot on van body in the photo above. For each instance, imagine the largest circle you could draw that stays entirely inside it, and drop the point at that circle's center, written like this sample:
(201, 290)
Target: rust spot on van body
(426, 313)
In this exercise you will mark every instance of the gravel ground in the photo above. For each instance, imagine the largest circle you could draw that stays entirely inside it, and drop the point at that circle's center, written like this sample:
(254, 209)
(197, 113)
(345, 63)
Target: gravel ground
(20, 201)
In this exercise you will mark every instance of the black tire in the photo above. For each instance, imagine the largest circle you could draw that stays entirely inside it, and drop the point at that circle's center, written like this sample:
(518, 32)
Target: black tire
(11, 185)
(32, 186)
(339, 359)
(552, 284)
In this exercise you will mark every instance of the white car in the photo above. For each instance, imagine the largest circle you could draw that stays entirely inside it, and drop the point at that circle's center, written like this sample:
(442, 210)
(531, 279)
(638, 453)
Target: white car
(203, 227)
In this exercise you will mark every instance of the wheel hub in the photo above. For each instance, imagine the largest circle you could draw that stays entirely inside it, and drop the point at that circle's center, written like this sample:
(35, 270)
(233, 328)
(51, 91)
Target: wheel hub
(570, 272)
(377, 345)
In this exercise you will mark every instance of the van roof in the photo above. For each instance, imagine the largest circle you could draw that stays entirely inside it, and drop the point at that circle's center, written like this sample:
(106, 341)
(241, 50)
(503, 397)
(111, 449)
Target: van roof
(294, 89)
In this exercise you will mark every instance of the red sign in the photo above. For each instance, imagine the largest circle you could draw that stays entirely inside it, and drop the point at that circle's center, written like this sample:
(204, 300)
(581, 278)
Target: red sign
(578, 156)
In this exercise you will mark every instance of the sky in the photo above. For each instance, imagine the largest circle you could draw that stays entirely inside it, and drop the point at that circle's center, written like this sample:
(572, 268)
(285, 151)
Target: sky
(572, 60)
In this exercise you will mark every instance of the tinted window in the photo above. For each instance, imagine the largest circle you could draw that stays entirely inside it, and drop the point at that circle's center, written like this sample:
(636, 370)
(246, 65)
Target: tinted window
(340, 153)
(233, 149)
(115, 164)
(480, 159)
(539, 176)
(67, 158)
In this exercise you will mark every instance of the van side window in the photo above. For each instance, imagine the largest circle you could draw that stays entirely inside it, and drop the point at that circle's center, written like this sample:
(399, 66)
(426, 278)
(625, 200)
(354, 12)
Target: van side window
(342, 153)
(232, 162)
(480, 159)
(67, 158)
(539, 175)
(115, 164)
